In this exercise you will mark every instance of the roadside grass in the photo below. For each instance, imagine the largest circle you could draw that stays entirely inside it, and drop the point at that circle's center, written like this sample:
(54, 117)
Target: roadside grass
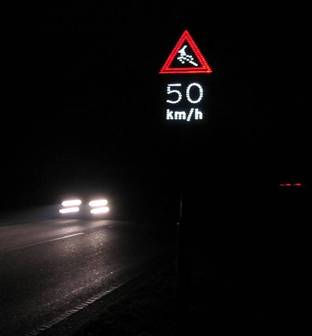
(148, 309)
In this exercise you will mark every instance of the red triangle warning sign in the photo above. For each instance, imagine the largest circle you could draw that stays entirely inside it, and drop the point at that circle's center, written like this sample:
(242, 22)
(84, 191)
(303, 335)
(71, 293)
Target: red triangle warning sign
(185, 58)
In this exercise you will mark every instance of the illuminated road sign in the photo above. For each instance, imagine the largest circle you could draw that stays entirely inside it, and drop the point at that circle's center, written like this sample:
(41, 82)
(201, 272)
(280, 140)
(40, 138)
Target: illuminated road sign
(185, 99)
(185, 58)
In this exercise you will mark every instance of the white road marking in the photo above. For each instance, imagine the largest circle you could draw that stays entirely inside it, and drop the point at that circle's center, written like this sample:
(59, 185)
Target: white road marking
(59, 238)
(46, 241)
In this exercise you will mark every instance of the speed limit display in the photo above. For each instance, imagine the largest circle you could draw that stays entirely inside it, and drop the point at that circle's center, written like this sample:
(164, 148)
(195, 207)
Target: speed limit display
(181, 95)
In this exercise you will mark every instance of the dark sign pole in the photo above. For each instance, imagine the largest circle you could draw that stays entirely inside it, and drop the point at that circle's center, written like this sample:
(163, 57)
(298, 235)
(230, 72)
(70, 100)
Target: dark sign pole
(184, 98)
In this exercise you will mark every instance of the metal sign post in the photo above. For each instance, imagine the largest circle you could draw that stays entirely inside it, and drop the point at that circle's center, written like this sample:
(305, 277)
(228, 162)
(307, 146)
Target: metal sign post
(184, 98)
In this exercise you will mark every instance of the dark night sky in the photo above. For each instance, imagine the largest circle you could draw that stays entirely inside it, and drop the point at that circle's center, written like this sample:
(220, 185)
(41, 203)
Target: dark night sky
(83, 96)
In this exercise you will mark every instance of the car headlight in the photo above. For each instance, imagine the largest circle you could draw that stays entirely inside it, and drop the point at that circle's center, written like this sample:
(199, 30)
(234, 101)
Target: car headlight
(101, 210)
(73, 202)
(99, 206)
(69, 210)
(98, 203)
(70, 206)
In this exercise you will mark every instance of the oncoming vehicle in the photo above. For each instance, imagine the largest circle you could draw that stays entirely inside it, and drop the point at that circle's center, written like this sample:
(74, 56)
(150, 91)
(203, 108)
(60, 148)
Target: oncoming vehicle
(77, 207)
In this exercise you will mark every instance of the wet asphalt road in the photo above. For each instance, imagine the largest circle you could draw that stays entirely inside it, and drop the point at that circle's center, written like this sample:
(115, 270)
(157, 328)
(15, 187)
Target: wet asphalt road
(49, 268)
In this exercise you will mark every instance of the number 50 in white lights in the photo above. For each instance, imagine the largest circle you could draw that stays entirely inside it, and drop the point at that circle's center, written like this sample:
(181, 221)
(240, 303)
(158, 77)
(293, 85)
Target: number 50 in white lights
(192, 96)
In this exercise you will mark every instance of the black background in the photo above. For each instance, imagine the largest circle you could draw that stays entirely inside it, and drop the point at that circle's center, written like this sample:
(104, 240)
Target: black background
(82, 112)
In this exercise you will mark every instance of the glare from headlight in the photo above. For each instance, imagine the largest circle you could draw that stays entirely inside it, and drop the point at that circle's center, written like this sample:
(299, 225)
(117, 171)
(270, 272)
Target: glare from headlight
(69, 210)
(98, 203)
(98, 211)
(71, 203)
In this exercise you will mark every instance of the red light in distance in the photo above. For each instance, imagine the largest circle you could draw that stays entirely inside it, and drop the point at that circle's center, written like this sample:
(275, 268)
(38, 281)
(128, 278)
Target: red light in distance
(289, 185)
(298, 184)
